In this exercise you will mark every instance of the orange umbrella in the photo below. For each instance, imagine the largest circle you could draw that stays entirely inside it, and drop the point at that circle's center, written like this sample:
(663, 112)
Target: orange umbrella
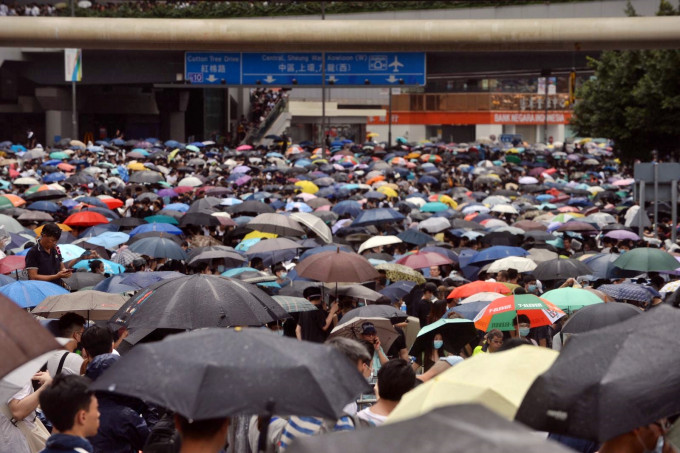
(85, 219)
(112, 203)
(61, 226)
(500, 313)
(470, 289)
(66, 167)
(375, 179)
(14, 199)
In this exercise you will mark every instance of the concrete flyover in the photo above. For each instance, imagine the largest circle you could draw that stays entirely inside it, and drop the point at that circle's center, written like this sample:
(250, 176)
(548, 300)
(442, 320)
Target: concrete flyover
(342, 35)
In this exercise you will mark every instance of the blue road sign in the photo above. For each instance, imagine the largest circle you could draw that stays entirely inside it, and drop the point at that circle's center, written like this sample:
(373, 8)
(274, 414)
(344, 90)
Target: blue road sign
(208, 68)
(305, 68)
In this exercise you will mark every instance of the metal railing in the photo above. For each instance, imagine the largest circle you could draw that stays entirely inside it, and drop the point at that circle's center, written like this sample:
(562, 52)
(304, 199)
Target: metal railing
(256, 134)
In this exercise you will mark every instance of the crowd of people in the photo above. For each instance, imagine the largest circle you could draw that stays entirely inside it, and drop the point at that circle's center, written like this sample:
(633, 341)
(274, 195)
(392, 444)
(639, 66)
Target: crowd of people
(411, 261)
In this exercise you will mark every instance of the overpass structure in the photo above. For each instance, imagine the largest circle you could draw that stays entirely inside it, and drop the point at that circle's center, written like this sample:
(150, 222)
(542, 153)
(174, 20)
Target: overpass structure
(134, 72)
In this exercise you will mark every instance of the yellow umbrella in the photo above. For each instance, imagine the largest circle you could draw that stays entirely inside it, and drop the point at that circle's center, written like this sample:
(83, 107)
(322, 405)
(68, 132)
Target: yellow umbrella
(390, 192)
(259, 234)
(172, 154)
(307, 187)
(497, 380)
(448, 201)
(61, 226)
(136, 166)
(372, 134)
(414, 155)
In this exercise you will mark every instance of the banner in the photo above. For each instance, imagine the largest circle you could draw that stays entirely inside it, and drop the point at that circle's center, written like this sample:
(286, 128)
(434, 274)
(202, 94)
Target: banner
(73, 65)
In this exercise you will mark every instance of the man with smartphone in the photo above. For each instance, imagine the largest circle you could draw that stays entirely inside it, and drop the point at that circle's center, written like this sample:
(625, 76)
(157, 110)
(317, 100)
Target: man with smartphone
(44, 261)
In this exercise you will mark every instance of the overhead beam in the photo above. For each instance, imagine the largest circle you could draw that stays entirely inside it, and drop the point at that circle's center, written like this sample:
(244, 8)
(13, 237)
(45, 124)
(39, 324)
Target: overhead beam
(342, 35)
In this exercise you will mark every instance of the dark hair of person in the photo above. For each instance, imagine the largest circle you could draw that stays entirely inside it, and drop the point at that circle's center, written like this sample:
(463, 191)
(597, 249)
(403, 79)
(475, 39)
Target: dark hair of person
(69, 323)
(51, 230)
(395, 378)
(94, 265)
(64, 398)
(199, 429)
(97, 340)
(277, 267)
(490, 335)
(521, 319)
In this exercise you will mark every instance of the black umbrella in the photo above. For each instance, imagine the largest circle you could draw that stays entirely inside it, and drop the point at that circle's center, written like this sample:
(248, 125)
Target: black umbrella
(79, 280)
(196, 301)
(128, 222)
(561, 269)
(609, 381)
(45, 195)
(461, 428)
(158, 247)
(198, 218)
(376, 311)
(250, 207)
(216, 373)
(599, 315)
(155, 234)
(230, 256)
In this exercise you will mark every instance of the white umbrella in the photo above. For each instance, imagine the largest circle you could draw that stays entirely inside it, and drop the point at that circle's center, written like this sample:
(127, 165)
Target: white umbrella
(505, 209)
(482, 297)
(528, 180)
(434, 224)
(512, 262)
(541, 255)
(475, 208)
(26, 181)
(15, 380)
(377, 241)
(315, 224)
(494, 223)
(495, 199)
(190, 181)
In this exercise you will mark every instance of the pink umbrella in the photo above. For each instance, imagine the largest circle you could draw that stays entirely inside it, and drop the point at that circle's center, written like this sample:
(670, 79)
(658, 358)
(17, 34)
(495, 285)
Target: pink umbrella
(537, 171)
(326, 207)
(624, 182)
(244, 148)
(621, 235)
(183, 189)
(242, 180)
(421, 260)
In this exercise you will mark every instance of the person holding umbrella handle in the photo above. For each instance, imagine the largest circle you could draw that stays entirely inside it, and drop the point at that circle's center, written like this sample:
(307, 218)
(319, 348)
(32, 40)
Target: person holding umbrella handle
(44, 261)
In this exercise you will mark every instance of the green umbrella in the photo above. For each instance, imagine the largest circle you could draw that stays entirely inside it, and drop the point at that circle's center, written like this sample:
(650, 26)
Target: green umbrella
(58, 155)
(571, 299)
(161, 219)
(646, 259)
(5, 203)
(513, 159)
(434, 206)
(294, 304)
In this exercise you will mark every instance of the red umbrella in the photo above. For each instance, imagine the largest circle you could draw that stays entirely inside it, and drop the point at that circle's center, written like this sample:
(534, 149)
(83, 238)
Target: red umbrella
(85, 219)
(12, 263)
(336, 266)
(112, 203)
(537, 171)
(183, 189)
(421, 260)
(478, 286)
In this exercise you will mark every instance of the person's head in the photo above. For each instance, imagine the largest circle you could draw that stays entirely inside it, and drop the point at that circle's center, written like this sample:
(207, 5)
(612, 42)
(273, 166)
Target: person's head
(430, 290)
(368, 332)
(513, 275)
(493, 340)
(70, 406)
(435, 271)
(97, 340)
(438, 341)
(212, 430)
(312, 294)
(502, 276)
(395, 378)
(97, 267)
(50, 235)
(257, 263)
(522, 325)
(355, 351)
(279, 271)
(71, 325)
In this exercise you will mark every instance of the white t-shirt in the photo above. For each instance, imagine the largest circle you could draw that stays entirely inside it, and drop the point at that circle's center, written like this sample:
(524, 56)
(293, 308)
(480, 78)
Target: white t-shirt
(11, 438)
(71, 365)
(371, 417)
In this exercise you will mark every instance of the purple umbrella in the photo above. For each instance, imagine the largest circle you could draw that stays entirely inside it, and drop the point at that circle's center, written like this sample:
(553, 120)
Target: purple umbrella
(537, 171)
(574, 157)
(621, 235)
(241, 169)
(242, 180)
(167, 193)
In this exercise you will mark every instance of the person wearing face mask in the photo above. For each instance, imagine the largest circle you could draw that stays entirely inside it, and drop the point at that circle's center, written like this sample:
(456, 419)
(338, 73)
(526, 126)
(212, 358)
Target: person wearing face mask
(281, 275)
(522, 325)
(644, 439)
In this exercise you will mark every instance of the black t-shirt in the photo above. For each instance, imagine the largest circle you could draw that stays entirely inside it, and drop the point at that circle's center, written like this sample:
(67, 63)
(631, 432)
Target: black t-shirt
(420, 309)
(398, 345)
(311, 323)
(46, 263)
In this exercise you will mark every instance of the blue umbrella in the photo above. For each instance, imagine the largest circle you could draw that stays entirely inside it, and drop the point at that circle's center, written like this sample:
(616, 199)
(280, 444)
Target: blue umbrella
(98, 229)
(497, 252)
(415, 237)
(398, 290)
(351, 207)
(94, 201)
(70, 251)
(623, 291)
(6, 280)
(46, 206)
(29, 293)
(160, 227)
(232, 273)
(602, 265)
(181, 207)
(470, 310)
(110, 239)
(113, 285)
(54, 177)
(325, 248)
(428, 180)
(377, 216)
(374, 195)
(302, 207)
(109, 266)
(158, 247)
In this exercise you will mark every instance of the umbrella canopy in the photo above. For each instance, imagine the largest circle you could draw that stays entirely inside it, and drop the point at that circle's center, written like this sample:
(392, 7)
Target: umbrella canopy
(353, 327)
(470, 289)
(398, 272)
(599, 315)
(376, 311)
(501, 312)
(646, 259)
(602, 265)
(294, 304)
(22, 338)
(629, 291)
(79, 280)
(378, 241)
(29, 293)
(421, 260)
(93, 305)
(336, 266)
(561, 269)
(85, 219)
(571, 299)
(276, 224)
(315, 224)
(497, 381)
(456, 333)
(605, 370)
(456, 427)
(215, 252)
(195, 375)
(512, 262)
(194, 301)
(377, 216)
(158, 247)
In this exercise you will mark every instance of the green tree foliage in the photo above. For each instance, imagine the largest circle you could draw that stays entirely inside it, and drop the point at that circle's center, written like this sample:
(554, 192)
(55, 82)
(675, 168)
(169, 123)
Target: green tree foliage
(634, 99)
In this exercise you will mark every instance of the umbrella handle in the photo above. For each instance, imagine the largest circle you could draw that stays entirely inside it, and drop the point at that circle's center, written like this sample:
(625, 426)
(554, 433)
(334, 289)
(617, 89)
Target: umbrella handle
(262, 441)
